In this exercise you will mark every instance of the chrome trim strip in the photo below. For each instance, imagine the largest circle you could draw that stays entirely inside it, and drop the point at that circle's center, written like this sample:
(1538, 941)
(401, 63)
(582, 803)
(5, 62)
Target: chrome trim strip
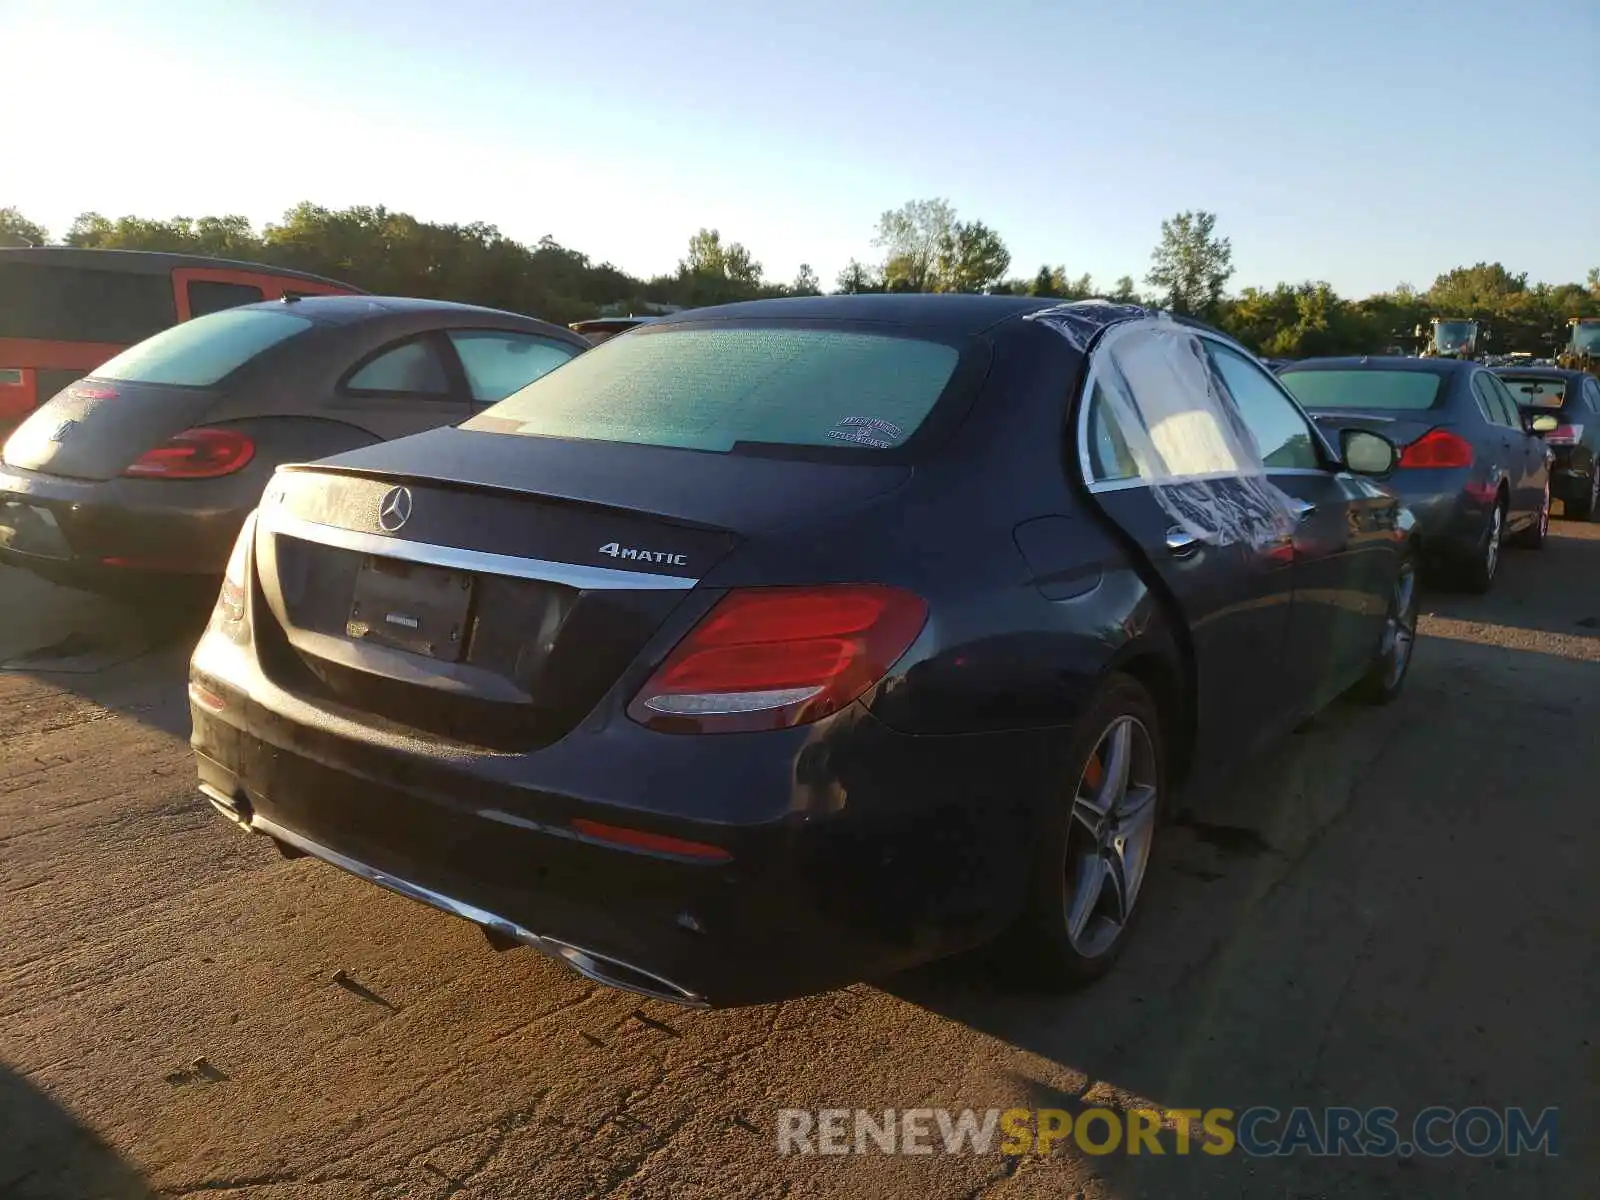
(588, 963)
(275, 520)
(412, 891)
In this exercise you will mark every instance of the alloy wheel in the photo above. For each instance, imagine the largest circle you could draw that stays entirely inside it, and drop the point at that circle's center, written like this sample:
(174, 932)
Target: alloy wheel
(1113, 828)
(1491, 561)
(1400, 630)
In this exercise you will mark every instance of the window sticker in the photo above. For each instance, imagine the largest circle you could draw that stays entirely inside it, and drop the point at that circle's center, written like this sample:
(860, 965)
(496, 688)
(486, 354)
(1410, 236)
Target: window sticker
(867, 431)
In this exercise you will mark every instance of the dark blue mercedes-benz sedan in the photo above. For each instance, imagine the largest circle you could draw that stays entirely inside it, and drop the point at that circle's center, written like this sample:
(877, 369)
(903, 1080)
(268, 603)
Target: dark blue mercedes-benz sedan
(785, 644)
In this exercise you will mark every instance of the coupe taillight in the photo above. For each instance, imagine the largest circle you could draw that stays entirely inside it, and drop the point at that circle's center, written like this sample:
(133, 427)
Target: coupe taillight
(1438, 448)
(769, 658)
(195, 454)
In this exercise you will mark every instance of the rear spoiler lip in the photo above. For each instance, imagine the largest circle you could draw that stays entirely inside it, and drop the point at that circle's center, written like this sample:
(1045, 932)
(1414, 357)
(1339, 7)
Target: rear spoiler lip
(454, 483)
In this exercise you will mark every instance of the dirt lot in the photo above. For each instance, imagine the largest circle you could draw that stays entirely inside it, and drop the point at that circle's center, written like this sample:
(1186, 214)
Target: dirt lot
(1399, 908)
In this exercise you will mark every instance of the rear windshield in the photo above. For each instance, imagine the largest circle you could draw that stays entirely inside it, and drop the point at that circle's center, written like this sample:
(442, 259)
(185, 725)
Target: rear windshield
(200, 352)
(1400, 390)
(71, 304)
(1535, 392)
(737, 388)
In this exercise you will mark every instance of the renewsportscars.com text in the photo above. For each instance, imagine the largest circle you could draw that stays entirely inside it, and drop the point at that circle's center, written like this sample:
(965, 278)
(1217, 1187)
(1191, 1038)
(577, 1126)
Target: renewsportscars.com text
(1259, 1132)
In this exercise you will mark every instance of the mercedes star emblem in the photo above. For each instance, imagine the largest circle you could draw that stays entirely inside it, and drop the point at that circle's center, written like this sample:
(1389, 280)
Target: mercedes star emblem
(395, 509)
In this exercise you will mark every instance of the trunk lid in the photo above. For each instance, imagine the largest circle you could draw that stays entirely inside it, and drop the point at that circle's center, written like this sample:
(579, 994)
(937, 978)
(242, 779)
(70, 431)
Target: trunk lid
(490, 589)
(743, 493)
(93, 430)
(1400, 428)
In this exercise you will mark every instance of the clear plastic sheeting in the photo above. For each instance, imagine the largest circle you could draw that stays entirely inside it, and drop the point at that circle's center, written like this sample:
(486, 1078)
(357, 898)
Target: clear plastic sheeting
(1183, 431)
(1081, 320)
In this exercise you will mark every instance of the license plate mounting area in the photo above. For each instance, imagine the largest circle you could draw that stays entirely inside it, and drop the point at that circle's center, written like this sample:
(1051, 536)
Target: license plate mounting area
(411, 606)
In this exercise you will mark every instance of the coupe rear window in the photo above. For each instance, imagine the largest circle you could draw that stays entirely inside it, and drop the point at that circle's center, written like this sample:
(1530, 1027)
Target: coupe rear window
(200, 352)
(1536, 393)
(737, 387)
(1401, 390)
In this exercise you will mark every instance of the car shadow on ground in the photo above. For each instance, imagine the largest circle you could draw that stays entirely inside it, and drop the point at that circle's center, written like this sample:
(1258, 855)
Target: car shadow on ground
(1304, 936)
(47, 1154)
(1222, 853)
(1552, 590)
(130, 658)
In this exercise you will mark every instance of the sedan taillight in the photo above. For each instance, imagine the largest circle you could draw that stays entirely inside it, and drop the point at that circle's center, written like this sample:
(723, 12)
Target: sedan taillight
(1564, 435)
(195, 454)
(769, 658)
(230, 617)
(1438, 448)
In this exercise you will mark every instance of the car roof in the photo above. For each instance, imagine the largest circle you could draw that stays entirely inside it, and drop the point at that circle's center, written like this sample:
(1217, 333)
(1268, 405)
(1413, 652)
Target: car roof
(1542, 373)
(609, 323)
(345, 309)
(949, 313)
(1385, 362)
(147, 262)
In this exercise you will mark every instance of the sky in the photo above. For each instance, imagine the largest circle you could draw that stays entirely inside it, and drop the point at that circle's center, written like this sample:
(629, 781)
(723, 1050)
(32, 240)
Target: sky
(1366, 143)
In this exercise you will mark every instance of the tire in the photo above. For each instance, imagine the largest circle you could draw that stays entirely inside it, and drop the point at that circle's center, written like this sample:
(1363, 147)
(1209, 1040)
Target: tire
(1073, 928)
(1532, 538)
(1478, 575)
(1391, 663)
(1588, 508)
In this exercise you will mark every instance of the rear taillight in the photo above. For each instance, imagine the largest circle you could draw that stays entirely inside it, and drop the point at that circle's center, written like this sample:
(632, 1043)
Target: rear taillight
(1438, 448)
(195, 454)
(229, 618)
(768, 658)
(1564, 435)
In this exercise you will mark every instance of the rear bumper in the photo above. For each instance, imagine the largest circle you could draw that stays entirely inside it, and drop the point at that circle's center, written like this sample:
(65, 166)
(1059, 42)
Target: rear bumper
(117, 531)
(1451, 512)
(853, 850)
(1571, 472)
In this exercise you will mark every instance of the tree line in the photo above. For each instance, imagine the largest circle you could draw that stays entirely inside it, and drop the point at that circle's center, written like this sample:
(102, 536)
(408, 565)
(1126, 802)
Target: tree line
(923, 246)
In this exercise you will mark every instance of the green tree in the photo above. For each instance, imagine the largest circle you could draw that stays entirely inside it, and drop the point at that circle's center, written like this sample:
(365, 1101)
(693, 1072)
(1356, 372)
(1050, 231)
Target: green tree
(1055, 283)
(912, 238)
(710, 258)
(971, 258)
(805, 282)
(856, 279)
(216, 237)
(1482, 287)
(17, 230)
(1125, 292)
(1258, 314)
(1192, 264)
(927, 250)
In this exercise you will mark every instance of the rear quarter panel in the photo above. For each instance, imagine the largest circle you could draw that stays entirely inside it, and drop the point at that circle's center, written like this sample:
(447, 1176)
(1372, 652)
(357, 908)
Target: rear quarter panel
(1021, 629)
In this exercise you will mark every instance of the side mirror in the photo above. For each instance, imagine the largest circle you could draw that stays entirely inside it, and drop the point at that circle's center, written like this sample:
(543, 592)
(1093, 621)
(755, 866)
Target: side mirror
(1544, 423)
(1368, 453)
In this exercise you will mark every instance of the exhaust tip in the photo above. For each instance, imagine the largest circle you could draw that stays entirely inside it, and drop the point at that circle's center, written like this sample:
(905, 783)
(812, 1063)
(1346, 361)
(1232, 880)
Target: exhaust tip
(622, 976)
(235, 807)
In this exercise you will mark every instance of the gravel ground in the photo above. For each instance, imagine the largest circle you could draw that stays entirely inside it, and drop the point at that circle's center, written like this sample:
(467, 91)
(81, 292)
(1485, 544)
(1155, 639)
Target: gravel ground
(1398, 907)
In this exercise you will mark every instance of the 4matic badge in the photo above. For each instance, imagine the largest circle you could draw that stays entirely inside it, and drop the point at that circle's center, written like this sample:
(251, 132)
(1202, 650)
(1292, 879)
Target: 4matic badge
(616, 550)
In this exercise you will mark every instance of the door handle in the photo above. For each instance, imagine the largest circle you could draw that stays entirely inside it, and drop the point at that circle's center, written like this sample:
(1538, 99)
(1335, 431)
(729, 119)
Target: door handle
(1181, 543)
(1301, 508)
